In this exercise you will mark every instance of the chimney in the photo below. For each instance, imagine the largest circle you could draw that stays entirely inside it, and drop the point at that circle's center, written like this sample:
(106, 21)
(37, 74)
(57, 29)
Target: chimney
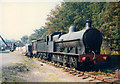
(88, 24)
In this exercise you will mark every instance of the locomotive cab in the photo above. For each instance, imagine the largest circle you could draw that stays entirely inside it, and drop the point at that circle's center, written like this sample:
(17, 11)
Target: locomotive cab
(51, 39)
(54, 36)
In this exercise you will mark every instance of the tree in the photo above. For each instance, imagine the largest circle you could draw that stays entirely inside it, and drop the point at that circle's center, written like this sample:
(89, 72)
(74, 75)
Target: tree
(111, 25)
(38, 34)
(24, 39)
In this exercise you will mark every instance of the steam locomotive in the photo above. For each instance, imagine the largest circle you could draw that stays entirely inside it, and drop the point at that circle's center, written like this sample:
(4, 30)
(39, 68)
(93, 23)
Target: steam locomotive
(74, 49)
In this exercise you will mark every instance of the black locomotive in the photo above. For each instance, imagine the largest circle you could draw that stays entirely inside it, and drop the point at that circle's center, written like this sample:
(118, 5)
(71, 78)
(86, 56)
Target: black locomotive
(74, 49)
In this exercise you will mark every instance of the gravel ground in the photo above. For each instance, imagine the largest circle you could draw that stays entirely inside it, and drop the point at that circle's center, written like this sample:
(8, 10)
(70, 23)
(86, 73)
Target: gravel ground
(18, 68)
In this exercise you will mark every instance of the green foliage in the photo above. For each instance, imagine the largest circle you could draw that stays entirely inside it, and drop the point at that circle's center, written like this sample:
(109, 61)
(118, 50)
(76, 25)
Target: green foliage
(38, 34)
(24, 39)
(110, 27)
(75, 13)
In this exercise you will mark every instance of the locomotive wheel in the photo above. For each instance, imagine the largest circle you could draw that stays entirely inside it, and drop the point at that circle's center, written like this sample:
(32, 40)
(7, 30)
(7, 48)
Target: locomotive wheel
(65, 61)
(65, 64)
(71, 65)
(41, 56)
(73, 62)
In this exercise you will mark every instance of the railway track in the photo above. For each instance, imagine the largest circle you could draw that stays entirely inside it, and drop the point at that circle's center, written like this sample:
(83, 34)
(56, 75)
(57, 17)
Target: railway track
(112, 79)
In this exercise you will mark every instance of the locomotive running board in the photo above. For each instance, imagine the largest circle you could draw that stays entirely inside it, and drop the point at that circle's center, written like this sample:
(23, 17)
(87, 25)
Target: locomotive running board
(61, 53)
(68, 41)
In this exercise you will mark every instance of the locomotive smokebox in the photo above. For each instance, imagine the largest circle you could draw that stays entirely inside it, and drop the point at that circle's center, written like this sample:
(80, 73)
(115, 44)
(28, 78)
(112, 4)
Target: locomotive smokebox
(88, 24)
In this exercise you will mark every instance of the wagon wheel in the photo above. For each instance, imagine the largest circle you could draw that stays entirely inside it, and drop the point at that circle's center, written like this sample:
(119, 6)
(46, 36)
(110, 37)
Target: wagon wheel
(38, 56)
(49, 57)
(35, 56)
(25, 54)
(52, 59)
(28, 54)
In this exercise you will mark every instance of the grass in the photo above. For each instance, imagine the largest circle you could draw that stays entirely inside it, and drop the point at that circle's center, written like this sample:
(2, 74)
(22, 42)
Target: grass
(4, 51)
(51, 78)
(10, 73)
(105, 72)
(16, 71)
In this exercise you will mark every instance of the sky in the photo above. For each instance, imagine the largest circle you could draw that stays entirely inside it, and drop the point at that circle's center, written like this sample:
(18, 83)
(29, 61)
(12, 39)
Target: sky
(22, 17)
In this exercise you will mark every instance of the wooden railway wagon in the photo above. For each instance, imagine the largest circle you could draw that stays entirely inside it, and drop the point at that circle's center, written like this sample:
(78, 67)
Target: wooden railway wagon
(27, 50)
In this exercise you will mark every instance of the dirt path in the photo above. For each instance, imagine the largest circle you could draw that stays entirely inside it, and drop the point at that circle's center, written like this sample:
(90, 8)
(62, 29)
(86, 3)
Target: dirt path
(7, 59)
(24, 69)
